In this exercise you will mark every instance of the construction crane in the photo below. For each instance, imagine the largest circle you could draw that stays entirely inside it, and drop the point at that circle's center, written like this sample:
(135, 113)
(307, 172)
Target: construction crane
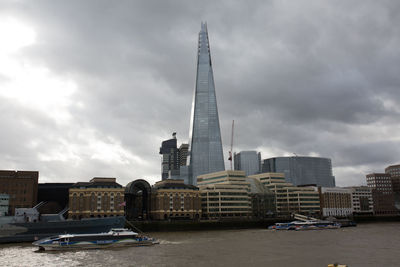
(231, 151)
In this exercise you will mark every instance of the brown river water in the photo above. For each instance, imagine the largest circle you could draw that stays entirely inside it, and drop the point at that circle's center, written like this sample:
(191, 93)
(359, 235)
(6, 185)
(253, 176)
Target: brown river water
(375, 244)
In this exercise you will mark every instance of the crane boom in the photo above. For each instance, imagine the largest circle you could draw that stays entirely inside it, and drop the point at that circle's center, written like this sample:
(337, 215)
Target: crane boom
(231, 151)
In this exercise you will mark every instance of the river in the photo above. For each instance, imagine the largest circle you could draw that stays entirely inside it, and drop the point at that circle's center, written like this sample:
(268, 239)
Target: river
(376, 244)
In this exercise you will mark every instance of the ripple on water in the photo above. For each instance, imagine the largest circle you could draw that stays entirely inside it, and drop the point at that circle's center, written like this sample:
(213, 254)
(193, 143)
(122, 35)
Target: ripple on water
(29, 256)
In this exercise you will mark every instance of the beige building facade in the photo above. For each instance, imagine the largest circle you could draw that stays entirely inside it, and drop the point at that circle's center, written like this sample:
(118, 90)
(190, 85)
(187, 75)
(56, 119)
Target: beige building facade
(101, 197)
(288, 198)
(335, 201)
(225, 195)
(172, 199)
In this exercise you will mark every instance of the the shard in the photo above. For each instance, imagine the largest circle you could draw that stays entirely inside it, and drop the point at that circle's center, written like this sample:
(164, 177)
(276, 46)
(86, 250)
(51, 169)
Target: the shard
(206, 155)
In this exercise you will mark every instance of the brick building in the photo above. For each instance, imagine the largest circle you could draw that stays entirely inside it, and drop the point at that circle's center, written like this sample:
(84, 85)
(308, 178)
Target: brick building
(382, 193)
(101, 197)
(21, 186)
(172, 199)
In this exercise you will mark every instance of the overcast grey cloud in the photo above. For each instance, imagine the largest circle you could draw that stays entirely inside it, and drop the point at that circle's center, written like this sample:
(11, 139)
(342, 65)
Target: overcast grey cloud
(91, 88)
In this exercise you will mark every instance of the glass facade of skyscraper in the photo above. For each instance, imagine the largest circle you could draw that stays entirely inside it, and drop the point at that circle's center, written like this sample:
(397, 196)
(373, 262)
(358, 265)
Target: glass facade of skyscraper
(302, 170)
(206, 155)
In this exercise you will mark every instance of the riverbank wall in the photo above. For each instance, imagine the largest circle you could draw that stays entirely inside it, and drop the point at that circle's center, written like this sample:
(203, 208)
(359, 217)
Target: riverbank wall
(171, 226)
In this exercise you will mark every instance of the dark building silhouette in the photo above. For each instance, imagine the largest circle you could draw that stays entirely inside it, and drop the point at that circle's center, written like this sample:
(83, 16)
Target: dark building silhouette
(56, 196)
(394, 171)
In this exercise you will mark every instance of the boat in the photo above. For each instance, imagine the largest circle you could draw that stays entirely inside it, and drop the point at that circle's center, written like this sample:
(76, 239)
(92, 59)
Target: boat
(29, 225)
(305, 223)
(114, 238)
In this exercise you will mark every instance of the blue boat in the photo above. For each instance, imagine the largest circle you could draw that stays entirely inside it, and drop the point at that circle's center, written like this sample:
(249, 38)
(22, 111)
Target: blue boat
(113, 238)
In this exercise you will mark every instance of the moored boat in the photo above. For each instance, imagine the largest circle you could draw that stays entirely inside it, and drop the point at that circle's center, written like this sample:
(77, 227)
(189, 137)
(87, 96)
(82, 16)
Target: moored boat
(114, 238)
(305, 225)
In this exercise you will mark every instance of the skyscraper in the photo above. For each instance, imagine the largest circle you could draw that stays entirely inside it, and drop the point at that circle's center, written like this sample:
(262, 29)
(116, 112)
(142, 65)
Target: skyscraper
(206, 155)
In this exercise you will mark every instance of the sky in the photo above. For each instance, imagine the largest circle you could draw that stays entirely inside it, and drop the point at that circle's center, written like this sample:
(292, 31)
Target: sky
(92, 88)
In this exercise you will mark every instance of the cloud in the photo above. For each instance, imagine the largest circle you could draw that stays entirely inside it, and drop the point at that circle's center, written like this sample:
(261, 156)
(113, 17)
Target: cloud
(101, 84)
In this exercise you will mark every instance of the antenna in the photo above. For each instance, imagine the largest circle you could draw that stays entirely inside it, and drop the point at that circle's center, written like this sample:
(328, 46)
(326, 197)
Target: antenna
(231, 151)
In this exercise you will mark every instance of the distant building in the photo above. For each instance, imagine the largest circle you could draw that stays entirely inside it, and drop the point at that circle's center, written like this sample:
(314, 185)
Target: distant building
(101, 197)
(183, 154)
(394, 171)
(172, 158)
(335, 201)
(262, 200)
(4, 204)
(21, 186)
(248, 161)
(225, 194)
(288, 198)
(172, 199)
(382, 193)
(302, 170)
(361, 200)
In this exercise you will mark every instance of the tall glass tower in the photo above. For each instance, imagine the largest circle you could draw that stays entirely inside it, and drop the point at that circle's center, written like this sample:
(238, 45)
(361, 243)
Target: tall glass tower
(206, 153)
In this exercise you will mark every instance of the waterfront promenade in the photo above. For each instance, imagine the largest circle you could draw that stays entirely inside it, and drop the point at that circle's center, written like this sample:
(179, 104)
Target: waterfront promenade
(371, 244)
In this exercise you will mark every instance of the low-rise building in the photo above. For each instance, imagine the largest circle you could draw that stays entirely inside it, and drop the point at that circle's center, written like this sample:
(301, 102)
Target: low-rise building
(22, 188)
(361, 200)
(335, 201)
(225, 194)
(101, 197)
(382, 193)
(4, 204)
(172, 199)
(288, 198)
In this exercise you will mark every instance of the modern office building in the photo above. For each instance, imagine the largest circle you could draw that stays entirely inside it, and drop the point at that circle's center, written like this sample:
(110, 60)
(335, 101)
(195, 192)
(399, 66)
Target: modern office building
(172, 199)
(21, 186)
(336, 201)
(382, 193)
(4, 204)
(302, 170)
(248, 161)
(288, 198)
(361, 200)
(206, 155)
(101, 197)
(225, 194)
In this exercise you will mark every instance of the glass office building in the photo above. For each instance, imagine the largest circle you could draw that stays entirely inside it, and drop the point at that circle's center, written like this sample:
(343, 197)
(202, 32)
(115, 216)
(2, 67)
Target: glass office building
(206, 155)
(302, 170)
(248, 161)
